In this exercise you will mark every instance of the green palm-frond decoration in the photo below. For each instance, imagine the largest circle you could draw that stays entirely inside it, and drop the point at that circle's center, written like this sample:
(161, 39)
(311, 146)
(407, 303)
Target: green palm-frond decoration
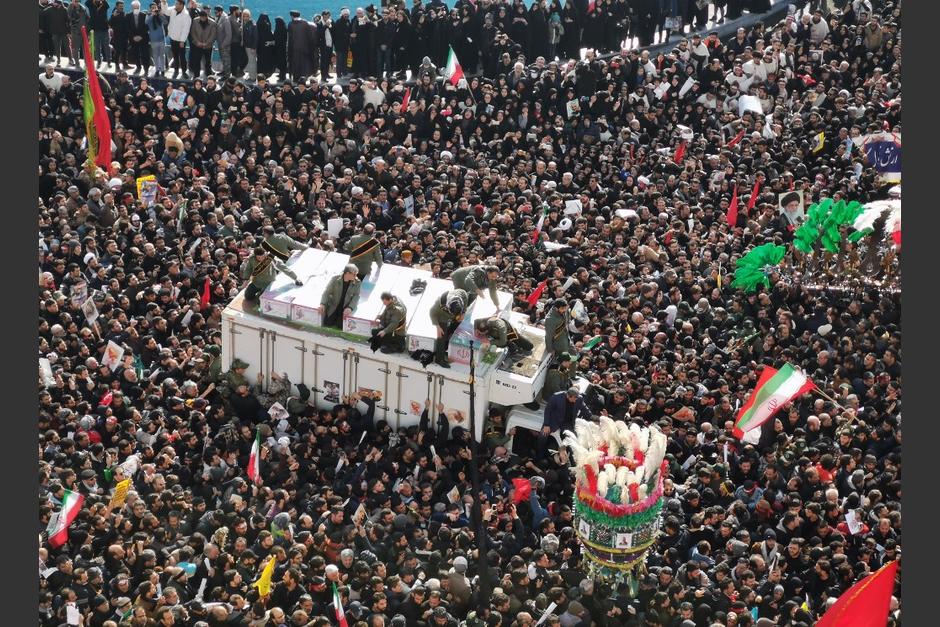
(754, 268)
(823, 223)
(806, 236)
(841, 214)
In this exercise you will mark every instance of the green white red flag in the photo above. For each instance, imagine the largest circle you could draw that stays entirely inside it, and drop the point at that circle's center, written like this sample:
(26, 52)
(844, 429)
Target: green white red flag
(59, 524)
(453, 72)
(866, 604)
(540, 224)
(254, 459)
(775, 388)
(338, 605)
(594, 341)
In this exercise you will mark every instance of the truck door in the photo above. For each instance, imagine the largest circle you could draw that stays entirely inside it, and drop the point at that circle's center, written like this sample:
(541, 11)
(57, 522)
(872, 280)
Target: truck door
(373, 375)
(249, 345)
(287, 357)
(413, 387)
(331, 375)
(454, 394)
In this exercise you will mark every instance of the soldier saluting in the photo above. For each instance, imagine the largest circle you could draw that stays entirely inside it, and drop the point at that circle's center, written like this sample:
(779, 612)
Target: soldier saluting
(474, 279)
(390, 336)
(363, 249)
(280, 245)
(260, 270)
(447, 313)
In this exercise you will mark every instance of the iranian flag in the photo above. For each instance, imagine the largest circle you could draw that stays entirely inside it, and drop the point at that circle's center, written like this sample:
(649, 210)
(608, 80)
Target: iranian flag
(453, 72)
(59, 524)
(775, 389)
(254, 459)
(338, 605)
(540, 224)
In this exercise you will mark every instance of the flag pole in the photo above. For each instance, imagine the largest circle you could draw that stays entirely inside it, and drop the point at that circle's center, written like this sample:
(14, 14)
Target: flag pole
(483, 591)
(829, 398)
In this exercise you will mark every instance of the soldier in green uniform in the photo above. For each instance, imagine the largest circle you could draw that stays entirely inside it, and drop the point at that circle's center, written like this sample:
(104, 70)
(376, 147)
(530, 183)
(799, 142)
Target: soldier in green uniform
(392, 323)
(235, 377)
(213, 356)
(447, 313)
(363, 249)
(557, 339)
(280, 245)
(560, 376)
(474, 279)
(502, 334)
(341, 297)
(260, 270)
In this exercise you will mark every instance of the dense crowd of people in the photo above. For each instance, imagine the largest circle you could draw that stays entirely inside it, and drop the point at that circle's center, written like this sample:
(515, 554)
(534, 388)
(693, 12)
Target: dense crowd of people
(384, 41)
(751, 534)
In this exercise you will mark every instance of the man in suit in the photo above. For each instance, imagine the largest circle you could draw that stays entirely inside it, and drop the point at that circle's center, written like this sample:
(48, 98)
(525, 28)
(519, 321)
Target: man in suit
(341, 297)
(560, 413)
(325, 43)
(138, 39)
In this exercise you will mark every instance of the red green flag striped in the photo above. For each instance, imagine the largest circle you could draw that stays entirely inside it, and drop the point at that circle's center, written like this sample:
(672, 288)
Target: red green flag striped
(775, 388)
(59, 523)
(97, 123)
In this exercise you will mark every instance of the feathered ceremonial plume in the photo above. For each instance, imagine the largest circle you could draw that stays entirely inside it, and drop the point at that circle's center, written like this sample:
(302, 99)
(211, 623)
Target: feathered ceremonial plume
(754, 268)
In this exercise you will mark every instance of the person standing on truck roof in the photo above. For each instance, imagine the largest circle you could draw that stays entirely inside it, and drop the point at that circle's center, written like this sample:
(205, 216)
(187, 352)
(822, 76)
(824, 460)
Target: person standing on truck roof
(473, 280)
(280, 245)
(363, 249)
(341, 297)
(447, 313)
(391, 333)
(557, 339)
(260, 270)
(501, 334)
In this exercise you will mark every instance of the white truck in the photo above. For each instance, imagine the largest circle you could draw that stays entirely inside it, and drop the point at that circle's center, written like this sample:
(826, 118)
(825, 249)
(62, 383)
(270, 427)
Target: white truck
(283, 334)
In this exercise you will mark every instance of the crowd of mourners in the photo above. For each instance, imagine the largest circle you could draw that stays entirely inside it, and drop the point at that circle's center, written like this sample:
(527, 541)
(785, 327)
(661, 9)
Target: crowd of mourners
(384, 41)
(751, 534)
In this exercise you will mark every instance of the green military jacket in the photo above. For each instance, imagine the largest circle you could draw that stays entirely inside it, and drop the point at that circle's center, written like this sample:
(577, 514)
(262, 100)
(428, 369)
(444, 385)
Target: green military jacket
(557, 339)
(363, 250)
(230, 381)
(558, 378)
(440, 313)
(500, 332)
(393, 319)
(262, 274)
(472, 279)
(334, 291)
(281, 245)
